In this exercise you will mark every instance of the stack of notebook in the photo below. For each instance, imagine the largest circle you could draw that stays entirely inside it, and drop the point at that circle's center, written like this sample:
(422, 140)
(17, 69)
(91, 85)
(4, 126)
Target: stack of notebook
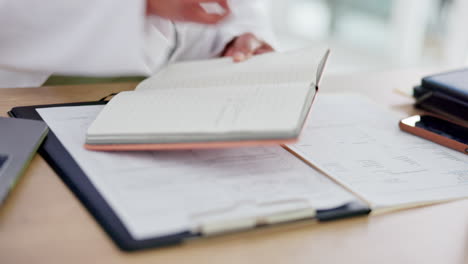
(445, 94)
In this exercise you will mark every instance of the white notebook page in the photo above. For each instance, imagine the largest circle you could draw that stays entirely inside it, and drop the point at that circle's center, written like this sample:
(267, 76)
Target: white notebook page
(275, 108)
(298, 66)
(359, 144)
(161, 193)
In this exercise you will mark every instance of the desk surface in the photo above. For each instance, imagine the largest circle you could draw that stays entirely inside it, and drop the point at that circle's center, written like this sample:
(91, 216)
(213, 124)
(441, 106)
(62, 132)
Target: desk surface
(42, 221)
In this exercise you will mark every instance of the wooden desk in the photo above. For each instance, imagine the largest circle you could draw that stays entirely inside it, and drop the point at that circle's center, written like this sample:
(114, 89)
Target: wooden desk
(42, 221)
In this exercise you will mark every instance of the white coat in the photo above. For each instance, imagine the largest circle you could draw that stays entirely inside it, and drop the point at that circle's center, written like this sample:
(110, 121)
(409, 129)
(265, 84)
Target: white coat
(107, 38)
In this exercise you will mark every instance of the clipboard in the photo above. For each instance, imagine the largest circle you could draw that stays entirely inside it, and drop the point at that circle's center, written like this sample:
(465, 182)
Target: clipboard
(73, 176)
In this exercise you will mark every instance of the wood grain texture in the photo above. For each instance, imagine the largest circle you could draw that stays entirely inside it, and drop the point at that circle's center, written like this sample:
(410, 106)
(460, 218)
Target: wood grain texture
(42, 221)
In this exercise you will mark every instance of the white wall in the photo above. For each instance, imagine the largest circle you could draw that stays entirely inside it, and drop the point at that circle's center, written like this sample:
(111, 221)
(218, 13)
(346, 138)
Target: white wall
(415, 34)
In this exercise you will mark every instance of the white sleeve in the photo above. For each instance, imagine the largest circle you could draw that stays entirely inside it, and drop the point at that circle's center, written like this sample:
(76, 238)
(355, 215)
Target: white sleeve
(82, 37)
(200, 41)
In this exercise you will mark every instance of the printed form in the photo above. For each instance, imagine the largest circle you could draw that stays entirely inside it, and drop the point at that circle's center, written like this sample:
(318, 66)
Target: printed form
(162, 193)
(359, 144)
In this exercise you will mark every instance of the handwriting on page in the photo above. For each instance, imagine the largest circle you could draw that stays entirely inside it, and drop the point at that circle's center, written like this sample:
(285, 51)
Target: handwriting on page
(157, 193)
(360, 145)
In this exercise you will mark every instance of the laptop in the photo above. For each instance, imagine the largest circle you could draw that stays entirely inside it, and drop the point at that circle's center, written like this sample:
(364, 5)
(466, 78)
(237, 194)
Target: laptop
(19, 140)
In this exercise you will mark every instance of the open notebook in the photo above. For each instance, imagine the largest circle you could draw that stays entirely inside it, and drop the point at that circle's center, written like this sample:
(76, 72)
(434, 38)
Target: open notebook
(355, 159)
(213, 103)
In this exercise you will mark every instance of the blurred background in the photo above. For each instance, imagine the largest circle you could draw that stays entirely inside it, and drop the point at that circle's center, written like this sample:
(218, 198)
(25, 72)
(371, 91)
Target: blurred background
(373, 35)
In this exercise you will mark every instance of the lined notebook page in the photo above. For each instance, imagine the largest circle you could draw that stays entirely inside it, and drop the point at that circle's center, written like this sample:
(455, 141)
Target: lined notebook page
(274, 109)
(161, 193)
(272, 68)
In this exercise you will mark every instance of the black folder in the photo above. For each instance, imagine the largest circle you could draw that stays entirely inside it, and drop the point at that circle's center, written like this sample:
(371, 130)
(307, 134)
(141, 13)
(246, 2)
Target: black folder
(444, 94)
(68, 170)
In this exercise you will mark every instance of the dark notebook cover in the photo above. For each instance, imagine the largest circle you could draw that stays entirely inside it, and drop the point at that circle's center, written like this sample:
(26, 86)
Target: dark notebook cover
(445, 94)
(453, 83)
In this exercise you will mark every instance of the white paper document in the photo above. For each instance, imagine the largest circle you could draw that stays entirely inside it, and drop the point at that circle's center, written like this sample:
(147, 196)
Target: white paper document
(359, 144)
(162, 193)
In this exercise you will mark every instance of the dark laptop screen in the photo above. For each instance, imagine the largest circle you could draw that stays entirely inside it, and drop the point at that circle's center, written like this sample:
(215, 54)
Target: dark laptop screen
(3, 160)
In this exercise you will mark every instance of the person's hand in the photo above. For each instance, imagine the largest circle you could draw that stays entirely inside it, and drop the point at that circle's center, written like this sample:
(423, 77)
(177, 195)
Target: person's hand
(245, 46)
(188, 10)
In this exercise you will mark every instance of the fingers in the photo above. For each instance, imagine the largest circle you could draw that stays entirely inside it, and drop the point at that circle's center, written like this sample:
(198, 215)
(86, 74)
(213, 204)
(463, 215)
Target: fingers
(196, 13)
(246, 46)
(228, 52)
(265, 48)
(217, 7)
(224, 4)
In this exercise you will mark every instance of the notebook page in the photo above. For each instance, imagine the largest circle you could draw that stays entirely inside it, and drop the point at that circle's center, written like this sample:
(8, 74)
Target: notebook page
(161, 193)
(271, 68)
(359, 144)
(183, 113)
